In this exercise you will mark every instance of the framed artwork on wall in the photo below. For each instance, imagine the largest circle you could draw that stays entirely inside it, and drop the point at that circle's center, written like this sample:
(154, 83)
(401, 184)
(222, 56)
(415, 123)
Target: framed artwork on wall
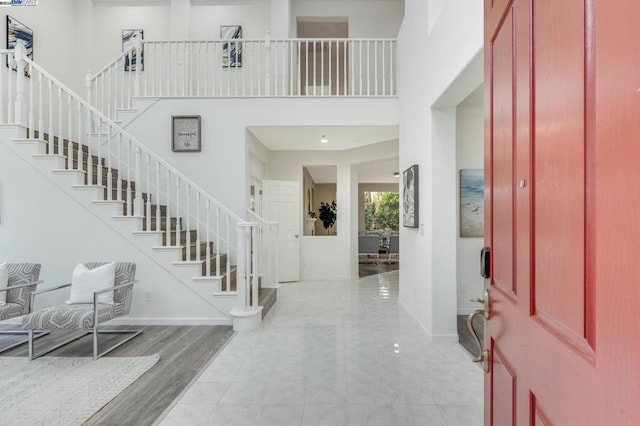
(129, 38)
(185, 133)
(18, 31)
(471, 203)
(231, 50)
(410, 197)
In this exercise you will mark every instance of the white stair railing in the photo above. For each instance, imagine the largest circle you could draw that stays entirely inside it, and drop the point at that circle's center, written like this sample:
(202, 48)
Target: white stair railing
(282, 68)
(267, 250)
(130, 175)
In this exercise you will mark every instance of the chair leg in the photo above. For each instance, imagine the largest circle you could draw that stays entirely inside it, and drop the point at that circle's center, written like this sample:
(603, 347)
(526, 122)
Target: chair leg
(30, 345)
(95, 342)
(21, 342)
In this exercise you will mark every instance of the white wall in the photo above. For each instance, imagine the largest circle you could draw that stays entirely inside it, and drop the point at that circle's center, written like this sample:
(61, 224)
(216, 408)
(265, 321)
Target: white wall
(331, 257)
(469, 155)
(372, 18)
(428, 138)
(40, 223)
(58, 44)
(221, 167)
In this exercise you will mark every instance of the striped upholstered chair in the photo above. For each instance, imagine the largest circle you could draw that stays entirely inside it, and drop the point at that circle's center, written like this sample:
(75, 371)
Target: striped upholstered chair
(22, 282)
(86, 316)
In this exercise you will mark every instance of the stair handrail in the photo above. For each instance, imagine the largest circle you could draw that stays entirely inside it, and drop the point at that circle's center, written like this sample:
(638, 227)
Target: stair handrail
(114, 125)
(122, 55)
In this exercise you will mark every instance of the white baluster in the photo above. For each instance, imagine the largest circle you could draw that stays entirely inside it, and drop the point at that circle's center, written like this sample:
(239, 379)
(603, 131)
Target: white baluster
(148, 209)
(52, 148)
(129, 180)
(392, 62)
(330, 69)
(138, 49)
(360, 91)
(119, 181)
(138, 203)
(108, 165)
(217, 241)
(11, 107)
(384, 70)
(299, 72)
(322, 68)
(188, 227)
(208, 229)
(70, 132)
(80, 138)
(375, 66)
(315, 67)
(32, 112)
(99, 154)
(158, 212)
(60, 135)
(228, 251)
(40, 110)
(89, 149)
(168, 217)
(178, 239)
(345, 67)
(198, 249)
(20, 53)
(267, 73)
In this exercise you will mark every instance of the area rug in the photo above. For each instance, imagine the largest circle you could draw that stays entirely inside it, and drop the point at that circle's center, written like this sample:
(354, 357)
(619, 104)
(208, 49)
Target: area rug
(63, 391)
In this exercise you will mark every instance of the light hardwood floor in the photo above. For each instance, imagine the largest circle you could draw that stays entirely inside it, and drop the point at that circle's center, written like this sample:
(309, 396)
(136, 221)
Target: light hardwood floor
(184, 352)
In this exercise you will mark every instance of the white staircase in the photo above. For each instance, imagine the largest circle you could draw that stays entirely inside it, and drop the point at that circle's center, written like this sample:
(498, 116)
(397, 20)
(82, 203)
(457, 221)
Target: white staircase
(150, 204)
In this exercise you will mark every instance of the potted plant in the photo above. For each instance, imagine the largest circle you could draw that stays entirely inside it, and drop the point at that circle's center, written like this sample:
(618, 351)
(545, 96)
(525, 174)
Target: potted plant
(328, 215)
(309, 223)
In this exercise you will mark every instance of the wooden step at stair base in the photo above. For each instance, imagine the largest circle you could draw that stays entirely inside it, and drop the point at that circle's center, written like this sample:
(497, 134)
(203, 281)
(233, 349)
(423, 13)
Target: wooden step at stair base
(267, 298)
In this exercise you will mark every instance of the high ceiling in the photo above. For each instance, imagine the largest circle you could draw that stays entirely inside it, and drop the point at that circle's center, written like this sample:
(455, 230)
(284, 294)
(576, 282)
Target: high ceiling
(307, 138)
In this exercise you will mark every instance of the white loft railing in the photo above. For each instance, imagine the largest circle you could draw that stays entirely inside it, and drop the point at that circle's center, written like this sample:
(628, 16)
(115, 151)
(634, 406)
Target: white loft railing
(262, 68)
(131, 174)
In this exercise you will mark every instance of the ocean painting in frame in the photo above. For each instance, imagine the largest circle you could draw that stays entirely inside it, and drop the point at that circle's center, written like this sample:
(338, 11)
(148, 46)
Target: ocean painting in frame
(18, 31)
(129, 38)
(471, 203)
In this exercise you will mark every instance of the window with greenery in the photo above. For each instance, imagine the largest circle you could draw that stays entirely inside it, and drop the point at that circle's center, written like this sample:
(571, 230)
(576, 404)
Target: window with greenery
(381, 210)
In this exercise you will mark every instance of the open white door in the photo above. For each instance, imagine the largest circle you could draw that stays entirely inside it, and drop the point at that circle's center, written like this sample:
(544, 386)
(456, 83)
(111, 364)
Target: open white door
(281, 203)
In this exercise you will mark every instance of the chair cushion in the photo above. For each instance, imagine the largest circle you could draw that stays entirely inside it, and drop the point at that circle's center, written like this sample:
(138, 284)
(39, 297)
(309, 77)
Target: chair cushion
(10, 310)
(4, 282)
(69, 317)
(85, 281)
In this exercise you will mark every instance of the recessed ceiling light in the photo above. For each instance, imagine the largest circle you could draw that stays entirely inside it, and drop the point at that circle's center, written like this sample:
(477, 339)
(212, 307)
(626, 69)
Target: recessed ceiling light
(396, 174)
(324, 139)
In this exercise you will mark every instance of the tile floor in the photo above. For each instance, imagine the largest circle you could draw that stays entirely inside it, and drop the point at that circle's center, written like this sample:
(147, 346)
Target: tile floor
(336, 353)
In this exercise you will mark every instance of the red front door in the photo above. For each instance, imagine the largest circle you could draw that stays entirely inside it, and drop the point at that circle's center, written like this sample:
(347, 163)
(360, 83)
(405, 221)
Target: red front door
(562, 171)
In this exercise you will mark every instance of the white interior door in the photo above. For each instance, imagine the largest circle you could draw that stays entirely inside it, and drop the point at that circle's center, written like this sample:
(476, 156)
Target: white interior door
(281, 203)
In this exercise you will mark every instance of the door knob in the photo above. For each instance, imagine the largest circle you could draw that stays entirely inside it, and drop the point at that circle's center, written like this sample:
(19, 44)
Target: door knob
(485, 355)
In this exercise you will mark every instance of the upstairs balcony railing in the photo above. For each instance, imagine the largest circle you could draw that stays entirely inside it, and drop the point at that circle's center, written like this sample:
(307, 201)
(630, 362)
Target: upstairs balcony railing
(246, 68)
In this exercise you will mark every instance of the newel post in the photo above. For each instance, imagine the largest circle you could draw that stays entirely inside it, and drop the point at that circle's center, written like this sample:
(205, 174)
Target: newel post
(267, 65)
(20, 53)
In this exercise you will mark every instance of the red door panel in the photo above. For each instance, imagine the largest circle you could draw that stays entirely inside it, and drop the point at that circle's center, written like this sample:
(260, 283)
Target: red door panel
(559, 165)
(562, 176)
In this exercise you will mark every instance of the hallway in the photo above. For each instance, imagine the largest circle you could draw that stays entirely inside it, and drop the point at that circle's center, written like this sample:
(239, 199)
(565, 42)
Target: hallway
(336, 353)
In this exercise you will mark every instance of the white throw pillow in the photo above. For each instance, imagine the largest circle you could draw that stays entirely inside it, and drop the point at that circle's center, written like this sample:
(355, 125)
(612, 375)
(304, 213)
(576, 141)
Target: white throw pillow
(86, 281)
(4, 282)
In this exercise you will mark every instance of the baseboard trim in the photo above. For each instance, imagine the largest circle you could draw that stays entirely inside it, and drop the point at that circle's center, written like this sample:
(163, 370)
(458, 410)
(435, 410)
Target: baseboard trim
(438, 338)
(171, 321)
